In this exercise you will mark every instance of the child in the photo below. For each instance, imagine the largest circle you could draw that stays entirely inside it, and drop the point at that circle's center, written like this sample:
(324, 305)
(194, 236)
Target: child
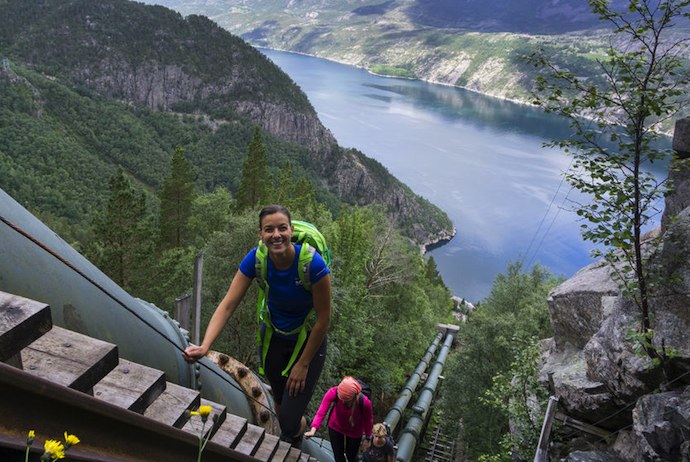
(381, 448)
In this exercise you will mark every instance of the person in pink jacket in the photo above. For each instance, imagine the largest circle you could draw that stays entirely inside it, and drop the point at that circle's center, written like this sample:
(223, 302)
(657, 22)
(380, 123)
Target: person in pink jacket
(350, 420)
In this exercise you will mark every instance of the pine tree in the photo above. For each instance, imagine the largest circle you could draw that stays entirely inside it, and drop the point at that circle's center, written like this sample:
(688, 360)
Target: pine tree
(431, 272)
(295, 193)
(253, 189)
(122, 233)
(176, 195)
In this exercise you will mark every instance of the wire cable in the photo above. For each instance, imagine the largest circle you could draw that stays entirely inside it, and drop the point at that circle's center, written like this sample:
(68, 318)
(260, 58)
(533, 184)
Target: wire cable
(541, 222)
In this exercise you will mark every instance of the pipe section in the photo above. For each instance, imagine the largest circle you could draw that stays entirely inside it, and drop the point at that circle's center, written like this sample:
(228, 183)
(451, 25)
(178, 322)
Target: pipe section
(36, 263)
(411, 434)
(395, 413)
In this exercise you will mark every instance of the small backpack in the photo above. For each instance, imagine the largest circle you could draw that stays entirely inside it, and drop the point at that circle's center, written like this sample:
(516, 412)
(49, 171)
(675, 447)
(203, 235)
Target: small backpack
(311, 240)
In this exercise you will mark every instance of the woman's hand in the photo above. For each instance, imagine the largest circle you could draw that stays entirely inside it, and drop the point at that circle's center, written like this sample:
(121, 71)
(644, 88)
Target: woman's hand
(297, 378)
(310, 433)
(193, 352)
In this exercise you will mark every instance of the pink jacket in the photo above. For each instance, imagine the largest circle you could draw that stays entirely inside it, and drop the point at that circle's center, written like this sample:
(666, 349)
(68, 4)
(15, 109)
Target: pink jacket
(340, 416)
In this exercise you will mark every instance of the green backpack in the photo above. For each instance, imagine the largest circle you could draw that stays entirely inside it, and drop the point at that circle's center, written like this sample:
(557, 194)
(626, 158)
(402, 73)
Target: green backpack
(312, 241)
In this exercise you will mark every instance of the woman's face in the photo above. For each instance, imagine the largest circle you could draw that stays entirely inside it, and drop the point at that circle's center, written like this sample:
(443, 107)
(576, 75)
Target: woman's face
(276, 232)
(379, 440)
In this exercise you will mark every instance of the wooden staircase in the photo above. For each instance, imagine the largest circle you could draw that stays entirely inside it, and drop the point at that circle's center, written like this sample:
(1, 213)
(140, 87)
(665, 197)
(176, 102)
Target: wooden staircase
(54, 380)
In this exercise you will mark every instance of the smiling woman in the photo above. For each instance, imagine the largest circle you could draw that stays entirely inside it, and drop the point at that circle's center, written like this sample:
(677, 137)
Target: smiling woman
(294, 317)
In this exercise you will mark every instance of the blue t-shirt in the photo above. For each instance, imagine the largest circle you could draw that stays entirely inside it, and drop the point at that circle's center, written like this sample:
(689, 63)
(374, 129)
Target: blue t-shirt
(288, 301)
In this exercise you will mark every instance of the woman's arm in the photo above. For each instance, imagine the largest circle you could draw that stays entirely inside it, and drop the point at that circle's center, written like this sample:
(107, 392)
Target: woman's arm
(367, 417)
(233, 297)
(321, 293)
(325, 405)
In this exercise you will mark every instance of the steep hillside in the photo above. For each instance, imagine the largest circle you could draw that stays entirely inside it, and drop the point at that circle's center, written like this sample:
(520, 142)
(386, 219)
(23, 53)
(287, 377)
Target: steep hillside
(464, 43)
(89, 86)
(468, 43)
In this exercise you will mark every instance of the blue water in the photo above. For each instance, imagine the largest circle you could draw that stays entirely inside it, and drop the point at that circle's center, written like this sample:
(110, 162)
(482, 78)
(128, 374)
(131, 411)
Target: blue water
(478, 158)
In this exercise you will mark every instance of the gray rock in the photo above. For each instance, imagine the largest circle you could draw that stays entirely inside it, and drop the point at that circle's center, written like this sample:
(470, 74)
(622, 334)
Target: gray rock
(591, 456)
(577, 306)
(627, 446)
(662, 424)
(579, 396)
(611, 359)
(679, 174)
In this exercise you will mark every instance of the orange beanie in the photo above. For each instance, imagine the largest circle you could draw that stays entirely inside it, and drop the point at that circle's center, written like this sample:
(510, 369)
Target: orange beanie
(349, 388)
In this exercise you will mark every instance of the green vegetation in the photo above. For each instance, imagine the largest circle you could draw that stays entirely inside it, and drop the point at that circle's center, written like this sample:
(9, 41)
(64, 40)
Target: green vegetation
(643, 87)
(176, 196)
(478, 387)
(392, 71)
(253, 185)
(59, 148)
(91, 87)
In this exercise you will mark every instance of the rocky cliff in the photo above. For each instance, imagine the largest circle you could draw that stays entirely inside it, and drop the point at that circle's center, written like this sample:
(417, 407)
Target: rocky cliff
(625, 406)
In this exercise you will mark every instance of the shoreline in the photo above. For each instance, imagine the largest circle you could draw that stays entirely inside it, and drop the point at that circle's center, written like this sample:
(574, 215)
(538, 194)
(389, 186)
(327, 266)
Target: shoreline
(442, 240)
(433, 82)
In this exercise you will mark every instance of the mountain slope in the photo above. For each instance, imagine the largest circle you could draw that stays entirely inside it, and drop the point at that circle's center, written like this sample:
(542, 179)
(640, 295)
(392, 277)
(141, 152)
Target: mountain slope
(119, 83)
(468, 43)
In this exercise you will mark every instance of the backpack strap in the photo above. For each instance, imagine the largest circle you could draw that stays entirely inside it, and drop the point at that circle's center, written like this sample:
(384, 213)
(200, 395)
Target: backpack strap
(306, 255)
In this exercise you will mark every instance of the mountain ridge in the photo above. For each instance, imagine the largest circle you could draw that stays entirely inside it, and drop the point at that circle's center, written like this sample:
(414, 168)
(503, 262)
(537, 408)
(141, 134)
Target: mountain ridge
(149, 57)
(467, 43)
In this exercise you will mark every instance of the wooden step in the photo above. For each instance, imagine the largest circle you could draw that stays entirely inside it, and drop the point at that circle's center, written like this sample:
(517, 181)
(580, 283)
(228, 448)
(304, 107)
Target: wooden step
(282, 452)
(231, 431)
(70, 359)
(293, 455)
(172, 406)
(251, 440)
(131, 386)
(268, 448)
(21, 322)
(197, 427)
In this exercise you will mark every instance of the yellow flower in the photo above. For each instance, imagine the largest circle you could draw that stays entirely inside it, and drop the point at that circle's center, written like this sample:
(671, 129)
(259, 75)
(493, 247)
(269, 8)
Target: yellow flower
(54, 449)
(30, 437)
(204, 411)
(70, 440)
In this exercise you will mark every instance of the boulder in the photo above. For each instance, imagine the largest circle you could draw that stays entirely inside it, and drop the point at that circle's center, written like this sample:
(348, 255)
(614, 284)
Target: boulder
(662, 426)
(579, 305)
(592, 456)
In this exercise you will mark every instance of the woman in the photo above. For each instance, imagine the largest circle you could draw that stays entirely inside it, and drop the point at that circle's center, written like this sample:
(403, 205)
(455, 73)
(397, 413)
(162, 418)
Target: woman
(381, 448)
(350, 420)
(288, 305)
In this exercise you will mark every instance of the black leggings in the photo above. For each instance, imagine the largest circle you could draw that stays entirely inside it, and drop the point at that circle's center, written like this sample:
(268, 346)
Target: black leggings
(343, 446)
(291, 407)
